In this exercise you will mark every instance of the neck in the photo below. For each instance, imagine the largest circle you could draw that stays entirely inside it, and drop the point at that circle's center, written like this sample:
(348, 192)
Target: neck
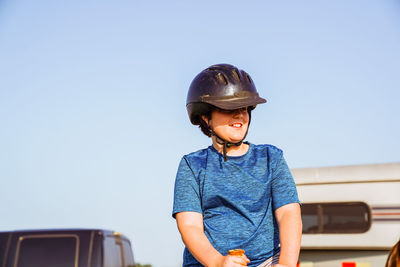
(230, 151)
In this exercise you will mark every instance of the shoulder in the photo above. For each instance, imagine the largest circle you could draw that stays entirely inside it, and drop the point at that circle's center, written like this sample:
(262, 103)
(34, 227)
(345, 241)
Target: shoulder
(197, 155)
(270, 150)
(196, 159)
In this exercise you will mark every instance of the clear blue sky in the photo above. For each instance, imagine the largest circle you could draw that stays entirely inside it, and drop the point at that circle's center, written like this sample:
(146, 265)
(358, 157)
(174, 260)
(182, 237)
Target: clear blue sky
(92, 100)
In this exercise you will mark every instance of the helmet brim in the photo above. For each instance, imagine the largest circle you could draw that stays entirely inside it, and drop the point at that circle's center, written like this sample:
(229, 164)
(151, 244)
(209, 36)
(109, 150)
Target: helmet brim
(235, 103)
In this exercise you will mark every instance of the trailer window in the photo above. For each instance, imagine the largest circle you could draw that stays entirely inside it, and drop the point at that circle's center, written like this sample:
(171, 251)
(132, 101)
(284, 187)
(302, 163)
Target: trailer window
(326, 218)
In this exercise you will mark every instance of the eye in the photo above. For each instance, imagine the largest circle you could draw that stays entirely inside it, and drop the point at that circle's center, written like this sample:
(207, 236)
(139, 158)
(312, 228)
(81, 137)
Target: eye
(239, 110)
(225, 111)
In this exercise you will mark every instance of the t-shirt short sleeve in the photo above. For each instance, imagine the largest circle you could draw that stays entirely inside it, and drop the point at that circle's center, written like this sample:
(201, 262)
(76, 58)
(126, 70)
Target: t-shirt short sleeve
(283, 186)
(186, 192)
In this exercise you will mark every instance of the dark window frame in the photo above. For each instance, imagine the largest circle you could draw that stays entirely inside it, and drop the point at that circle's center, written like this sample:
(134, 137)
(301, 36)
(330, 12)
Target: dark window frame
(321, 206)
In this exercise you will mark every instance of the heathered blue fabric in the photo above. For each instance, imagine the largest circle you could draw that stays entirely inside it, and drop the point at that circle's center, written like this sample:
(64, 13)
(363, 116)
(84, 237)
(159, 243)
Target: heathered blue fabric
(237, 198)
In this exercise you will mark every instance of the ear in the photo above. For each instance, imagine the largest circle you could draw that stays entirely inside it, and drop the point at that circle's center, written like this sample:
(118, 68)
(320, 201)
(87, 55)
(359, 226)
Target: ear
(204, 118)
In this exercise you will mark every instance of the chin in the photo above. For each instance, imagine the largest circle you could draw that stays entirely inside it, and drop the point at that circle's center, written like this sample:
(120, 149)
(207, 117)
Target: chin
(236, 139)
(231, 136)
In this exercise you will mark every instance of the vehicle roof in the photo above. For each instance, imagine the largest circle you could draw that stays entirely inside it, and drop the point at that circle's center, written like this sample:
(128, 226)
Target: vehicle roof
(61, 230)
(347, 174)
(56, 230)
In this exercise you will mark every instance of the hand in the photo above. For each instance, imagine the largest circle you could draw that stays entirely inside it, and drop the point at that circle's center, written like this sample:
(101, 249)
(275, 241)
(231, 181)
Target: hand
(279, 265)
(233, 261)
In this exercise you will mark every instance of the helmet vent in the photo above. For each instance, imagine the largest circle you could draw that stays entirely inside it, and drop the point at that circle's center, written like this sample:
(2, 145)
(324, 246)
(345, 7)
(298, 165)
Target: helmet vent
(222, 78)
(236, 75)
(248, 78)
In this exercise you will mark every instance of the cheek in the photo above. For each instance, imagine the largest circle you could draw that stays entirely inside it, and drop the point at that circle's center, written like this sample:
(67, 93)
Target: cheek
(246, 118)
(219, 119)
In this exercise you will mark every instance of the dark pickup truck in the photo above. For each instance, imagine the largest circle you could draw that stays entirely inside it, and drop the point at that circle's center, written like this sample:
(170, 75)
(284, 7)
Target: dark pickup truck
(65, 248)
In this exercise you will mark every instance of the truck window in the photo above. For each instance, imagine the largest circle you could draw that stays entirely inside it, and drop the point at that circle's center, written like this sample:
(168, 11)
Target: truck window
(47, 251)
(117, 252)
(3, 245)
(327, 218)
(129, 261)
(113, 252)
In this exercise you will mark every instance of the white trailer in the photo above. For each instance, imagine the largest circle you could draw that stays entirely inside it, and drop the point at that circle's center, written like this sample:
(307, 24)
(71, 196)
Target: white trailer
(351, 214)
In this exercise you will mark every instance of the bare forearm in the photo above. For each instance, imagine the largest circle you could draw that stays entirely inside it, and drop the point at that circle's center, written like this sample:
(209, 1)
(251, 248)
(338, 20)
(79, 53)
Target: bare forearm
(290, 228)
(199, 246)
(190, 225)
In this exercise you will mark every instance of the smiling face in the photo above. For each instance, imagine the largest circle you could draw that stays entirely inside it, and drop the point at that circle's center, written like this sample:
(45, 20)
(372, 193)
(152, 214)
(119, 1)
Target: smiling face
(230, 125)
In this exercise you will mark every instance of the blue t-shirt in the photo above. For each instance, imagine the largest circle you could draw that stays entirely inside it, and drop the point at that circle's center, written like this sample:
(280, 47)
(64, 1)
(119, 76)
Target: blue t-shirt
(237, 198)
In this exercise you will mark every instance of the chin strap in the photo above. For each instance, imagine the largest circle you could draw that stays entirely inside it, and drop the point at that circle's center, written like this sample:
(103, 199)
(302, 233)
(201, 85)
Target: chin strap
(225, 144)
